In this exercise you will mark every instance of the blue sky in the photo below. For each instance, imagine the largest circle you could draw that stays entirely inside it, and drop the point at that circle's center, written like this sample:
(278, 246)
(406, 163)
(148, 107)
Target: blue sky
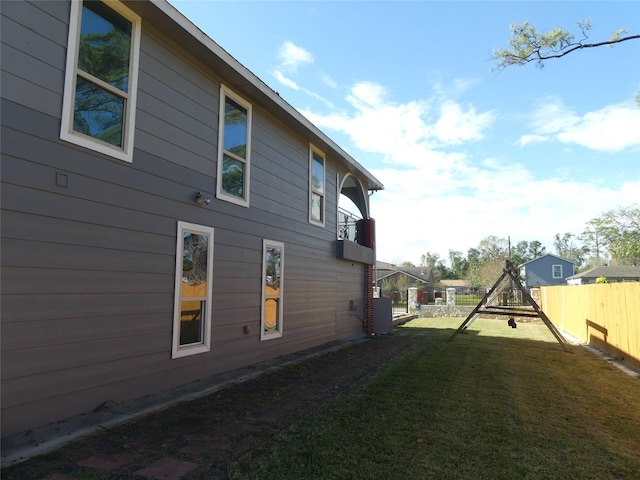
(464, 152)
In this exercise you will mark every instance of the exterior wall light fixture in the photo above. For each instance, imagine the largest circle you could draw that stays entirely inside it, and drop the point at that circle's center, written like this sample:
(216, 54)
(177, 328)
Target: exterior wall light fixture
(201, 199)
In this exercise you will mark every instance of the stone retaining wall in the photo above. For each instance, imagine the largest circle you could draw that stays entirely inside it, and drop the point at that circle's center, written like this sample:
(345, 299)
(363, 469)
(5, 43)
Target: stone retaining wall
(443, 311)
(458, 311)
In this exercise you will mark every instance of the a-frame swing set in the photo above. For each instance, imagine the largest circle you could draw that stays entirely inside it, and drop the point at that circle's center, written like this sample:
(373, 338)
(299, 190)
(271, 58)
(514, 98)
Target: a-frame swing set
(496, 302)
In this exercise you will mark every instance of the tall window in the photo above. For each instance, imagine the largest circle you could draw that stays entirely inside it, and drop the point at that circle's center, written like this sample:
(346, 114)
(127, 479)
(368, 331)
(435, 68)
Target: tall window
(557, 271)
(316, 187)
(192, 304)
(234, 149)
(272, 276)
(101, 78)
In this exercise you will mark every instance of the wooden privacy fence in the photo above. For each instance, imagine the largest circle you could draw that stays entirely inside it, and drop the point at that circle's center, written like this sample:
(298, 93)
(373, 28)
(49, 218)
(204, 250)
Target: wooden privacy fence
(606, 316)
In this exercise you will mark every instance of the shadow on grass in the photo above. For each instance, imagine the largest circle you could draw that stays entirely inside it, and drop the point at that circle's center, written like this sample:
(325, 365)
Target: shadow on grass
(494, 403)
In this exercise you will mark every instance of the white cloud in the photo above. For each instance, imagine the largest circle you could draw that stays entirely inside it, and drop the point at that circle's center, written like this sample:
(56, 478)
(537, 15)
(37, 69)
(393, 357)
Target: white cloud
(438, 199)
(531, 139)
(424, 210)
(611, 129)
(328, 81)
(287, 82)
(405, 134)
(292, 56)
(456, 126)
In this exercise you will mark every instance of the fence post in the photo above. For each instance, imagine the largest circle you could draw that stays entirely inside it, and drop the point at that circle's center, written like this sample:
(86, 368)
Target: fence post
(451, 297)
(412, 298)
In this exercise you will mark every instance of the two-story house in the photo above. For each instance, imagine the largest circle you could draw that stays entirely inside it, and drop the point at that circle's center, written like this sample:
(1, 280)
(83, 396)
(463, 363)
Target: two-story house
(546, 270)
(166, 216)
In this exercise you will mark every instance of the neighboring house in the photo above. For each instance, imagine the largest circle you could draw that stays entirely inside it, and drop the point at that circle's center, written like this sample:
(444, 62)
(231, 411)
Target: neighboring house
(405, 277)
(461, 286)
(546, 270)
(166, 216)
(412, 276)
(612, 274)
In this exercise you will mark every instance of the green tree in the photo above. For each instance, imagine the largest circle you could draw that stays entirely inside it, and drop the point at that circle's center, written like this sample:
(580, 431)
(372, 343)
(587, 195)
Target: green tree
(621, 232)
(489, 273)
(493, 248)
(429, 260)
(490, 250)
(527, 45)
(519, 252)
(459, 264)
(593, 238)
(437, 265)
(567, 248)
(525, 251)
(474, 263)
(536, 249)
(442, 272)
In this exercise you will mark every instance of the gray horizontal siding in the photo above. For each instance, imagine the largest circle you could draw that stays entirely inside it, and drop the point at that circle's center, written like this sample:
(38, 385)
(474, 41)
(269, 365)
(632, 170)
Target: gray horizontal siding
(88, 270)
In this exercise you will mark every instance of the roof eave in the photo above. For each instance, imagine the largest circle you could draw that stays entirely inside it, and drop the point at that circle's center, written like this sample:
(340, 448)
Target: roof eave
(189, 36)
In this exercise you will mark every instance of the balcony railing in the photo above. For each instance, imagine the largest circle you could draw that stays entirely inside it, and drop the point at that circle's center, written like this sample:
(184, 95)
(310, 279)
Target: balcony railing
(347, 225)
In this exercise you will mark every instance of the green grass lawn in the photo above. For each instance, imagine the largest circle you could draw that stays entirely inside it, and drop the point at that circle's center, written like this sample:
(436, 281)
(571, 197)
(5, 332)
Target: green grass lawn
(496, 403)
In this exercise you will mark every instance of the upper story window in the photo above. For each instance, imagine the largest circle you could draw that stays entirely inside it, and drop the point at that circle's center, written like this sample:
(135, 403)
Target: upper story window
(557, 271)
(234, 149)
(192, 303)
(316, 186)
(101, 78)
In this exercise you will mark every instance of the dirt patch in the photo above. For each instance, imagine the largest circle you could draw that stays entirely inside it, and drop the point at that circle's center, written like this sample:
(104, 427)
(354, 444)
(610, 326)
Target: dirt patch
(213, 431)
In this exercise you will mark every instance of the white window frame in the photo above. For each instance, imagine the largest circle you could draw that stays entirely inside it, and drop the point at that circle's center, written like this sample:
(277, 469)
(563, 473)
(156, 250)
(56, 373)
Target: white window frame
(553, 271)
(178, 350)
(220, 194)
(313, 150)
(67, 133)
(277, 333)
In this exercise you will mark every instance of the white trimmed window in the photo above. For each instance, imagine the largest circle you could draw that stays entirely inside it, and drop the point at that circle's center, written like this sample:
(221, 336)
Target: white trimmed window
(234, 149)
(272, 287)
(192, 303)
(101, 78)
(316, 186)
(557, 271)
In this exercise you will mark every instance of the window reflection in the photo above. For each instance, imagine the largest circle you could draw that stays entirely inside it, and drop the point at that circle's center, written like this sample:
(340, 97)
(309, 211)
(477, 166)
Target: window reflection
(271, 314)
(273, 263)
(318, 174)
(235, 128)
(273, 267)
(98, 113)
(105, 45)
(103, 62)
(191, 321)
(317, 188)
(194, 258)
(316, 206)
(194, 287)
(232, 176)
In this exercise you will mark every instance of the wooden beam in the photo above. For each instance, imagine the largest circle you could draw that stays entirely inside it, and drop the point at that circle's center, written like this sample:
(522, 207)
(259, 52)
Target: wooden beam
(511, 310)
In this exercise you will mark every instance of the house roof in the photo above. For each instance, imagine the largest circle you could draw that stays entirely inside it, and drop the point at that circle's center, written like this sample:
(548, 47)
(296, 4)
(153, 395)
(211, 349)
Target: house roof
(547, 255)
(609, 272)
(455, 283)
(422, 274)
(166, 18)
